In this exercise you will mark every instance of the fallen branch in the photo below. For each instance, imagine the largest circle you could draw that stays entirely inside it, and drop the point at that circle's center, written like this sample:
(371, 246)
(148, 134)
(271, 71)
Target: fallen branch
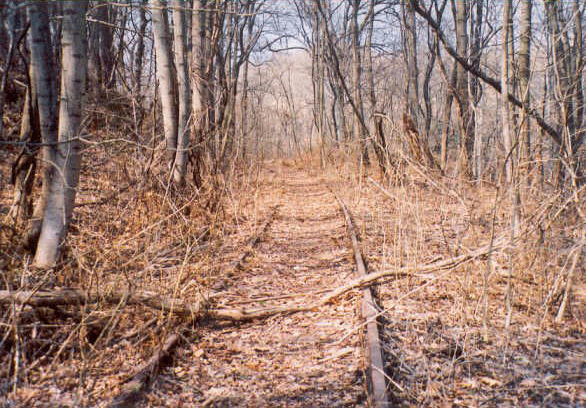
(142, 376)
(64, 297)
(193, 311)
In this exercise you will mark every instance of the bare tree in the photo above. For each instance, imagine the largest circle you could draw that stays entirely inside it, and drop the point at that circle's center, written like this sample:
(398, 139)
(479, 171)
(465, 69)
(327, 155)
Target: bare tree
(181, 15)
(167, 77)
(66, 154)
(44, 95)
(524, 81)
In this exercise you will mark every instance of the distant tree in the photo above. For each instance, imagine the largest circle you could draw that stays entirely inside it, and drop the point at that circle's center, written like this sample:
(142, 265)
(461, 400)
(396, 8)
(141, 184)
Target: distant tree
(102, 56)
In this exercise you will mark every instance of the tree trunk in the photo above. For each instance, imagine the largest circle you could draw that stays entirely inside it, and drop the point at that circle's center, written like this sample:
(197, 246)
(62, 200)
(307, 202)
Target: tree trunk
(410, 50)
(524, 78)
(65, 172)
(451, 84)
(102, 50)
(42, 69)
(379, 142)
(201, 97)
(185, 92)
(24, 168)
(167, 77)
(358, 123)
(509, 155)
(139, 54)
(477, 21)
(466, 136)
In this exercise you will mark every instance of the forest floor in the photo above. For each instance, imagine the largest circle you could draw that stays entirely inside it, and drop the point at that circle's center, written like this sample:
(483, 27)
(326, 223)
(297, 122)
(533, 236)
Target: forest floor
(279, 240)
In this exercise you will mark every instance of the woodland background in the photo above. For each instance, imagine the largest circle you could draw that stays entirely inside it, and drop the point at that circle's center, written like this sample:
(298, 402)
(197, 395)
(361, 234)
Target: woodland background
(132, 130)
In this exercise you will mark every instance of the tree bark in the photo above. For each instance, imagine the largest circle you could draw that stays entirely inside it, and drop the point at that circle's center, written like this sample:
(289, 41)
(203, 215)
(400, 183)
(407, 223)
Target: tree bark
(410, 51)
(524, 79)
(42, 68)
(167, 77)
(466, 136)
(358, 123)
(65, 170)
(102, 50)
(185, 92)
(140, 47)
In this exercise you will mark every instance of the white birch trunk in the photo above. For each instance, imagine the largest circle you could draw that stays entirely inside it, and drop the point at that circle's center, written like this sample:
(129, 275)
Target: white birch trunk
(65, 177)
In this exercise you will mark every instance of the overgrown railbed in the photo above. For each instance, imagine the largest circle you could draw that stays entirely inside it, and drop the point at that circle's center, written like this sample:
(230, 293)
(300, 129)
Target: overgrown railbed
(444, 332)
(133, 234)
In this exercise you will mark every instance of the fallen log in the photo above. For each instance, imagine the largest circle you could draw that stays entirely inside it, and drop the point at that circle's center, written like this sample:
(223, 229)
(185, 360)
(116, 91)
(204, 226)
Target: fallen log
(68, 296)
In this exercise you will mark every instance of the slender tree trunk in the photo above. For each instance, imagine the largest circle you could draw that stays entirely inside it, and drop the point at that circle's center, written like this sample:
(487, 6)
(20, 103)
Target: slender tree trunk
(318, 80)
(65, 172)
(506, 120)
(200, 88)
(42, 68)
(140, 47)
(359, 134)
(24, 169)
(476, 49)
(410, 50)
(102, 52)
(524, 78)
(505, 83)
(378, 142)
(446, 124)
(185, 92)
(167, 77)
(466, 136)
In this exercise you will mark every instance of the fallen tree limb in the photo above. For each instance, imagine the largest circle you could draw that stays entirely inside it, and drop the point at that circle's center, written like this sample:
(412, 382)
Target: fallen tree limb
(193, 311)
(64, 297)
(142, 376)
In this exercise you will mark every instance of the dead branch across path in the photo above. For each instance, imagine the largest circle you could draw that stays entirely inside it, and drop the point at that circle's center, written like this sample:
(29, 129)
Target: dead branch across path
(193, 311)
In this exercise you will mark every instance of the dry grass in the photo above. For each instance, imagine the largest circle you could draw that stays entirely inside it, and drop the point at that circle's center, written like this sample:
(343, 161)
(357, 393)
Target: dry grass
(437, 348)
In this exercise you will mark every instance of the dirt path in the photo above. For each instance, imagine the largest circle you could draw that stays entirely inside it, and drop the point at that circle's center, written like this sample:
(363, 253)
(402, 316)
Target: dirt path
(308, 359)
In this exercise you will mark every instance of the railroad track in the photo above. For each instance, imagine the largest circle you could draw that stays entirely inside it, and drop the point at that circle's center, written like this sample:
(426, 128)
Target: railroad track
(284, 329)
(327, 350)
